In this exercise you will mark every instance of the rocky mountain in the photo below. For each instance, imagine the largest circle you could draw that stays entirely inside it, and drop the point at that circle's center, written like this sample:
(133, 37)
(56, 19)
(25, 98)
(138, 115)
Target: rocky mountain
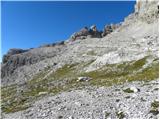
(94, 74)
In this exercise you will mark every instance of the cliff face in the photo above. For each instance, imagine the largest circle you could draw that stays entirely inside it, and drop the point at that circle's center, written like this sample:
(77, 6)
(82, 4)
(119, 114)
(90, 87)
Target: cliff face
(127, 54)
(147, 10)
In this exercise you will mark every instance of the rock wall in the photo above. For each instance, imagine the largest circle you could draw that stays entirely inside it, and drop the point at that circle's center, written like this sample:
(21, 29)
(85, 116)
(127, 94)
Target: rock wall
(147, 10)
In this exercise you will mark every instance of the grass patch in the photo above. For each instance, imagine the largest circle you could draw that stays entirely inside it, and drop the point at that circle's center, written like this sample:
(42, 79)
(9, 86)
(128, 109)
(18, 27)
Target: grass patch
(120, 115)
(154, 111)
(128, 90)
(65, 71)
(155, 104)
(120, 73)
(13, 101)
(155, 107)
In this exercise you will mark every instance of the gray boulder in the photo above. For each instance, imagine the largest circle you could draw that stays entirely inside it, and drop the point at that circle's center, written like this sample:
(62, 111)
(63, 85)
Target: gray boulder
(84, 78)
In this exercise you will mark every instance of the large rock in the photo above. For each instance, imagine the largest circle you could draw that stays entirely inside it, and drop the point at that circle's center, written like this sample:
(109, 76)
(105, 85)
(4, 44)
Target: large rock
(84, 78)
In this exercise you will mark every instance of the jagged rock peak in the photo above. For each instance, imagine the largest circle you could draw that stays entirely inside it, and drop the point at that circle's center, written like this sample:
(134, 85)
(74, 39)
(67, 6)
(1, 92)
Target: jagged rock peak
(93, 32)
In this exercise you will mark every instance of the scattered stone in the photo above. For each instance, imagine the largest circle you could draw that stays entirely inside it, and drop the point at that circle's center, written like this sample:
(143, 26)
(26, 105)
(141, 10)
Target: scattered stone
(84, 78)
(60, 117)
(156, 89)
(127, 97)
(132, 90)
(117, 100)
(142, 99)
(78, 104)
(42, 93)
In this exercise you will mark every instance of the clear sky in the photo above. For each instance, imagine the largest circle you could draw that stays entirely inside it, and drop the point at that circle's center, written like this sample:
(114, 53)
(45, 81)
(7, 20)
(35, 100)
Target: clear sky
(31, 24)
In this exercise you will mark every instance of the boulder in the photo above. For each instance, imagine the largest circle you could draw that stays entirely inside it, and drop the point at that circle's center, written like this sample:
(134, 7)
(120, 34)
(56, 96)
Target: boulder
(84, 78)
(42, 93)
(134, 89)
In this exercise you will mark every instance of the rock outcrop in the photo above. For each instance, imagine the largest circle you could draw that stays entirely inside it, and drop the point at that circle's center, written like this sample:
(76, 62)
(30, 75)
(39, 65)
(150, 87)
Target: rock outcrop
(86, 33)
(110, 28)
(12, 52)
(93, 32)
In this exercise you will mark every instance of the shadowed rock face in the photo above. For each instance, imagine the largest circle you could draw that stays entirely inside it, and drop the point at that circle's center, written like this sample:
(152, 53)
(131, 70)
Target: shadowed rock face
(12, 52)
(15, 61)
(16, 58)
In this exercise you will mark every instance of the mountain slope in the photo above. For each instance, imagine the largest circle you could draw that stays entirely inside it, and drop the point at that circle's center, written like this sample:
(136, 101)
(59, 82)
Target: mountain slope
(116, 61)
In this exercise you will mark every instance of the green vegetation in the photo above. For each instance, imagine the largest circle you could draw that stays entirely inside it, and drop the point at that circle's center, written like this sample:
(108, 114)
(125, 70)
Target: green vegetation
(13, 101)
(107, 114)
(156, 89)
(155, 104)
(65, 79)
(120, 115)
(127, 71)
(154, 111)
(128, 90)
(155, 107)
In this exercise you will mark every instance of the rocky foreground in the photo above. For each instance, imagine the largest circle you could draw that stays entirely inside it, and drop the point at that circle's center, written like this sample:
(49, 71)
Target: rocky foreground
(114, 75)
(130, 100)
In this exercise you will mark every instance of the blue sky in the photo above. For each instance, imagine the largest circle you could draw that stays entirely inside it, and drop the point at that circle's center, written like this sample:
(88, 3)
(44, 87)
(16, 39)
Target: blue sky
(31, 24)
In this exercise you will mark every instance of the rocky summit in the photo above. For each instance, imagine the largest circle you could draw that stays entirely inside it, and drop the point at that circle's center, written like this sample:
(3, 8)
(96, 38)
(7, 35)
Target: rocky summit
(94, 74)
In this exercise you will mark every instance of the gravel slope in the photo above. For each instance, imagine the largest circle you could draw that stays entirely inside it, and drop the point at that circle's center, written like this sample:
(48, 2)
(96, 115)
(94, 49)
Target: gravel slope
(96, 103)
